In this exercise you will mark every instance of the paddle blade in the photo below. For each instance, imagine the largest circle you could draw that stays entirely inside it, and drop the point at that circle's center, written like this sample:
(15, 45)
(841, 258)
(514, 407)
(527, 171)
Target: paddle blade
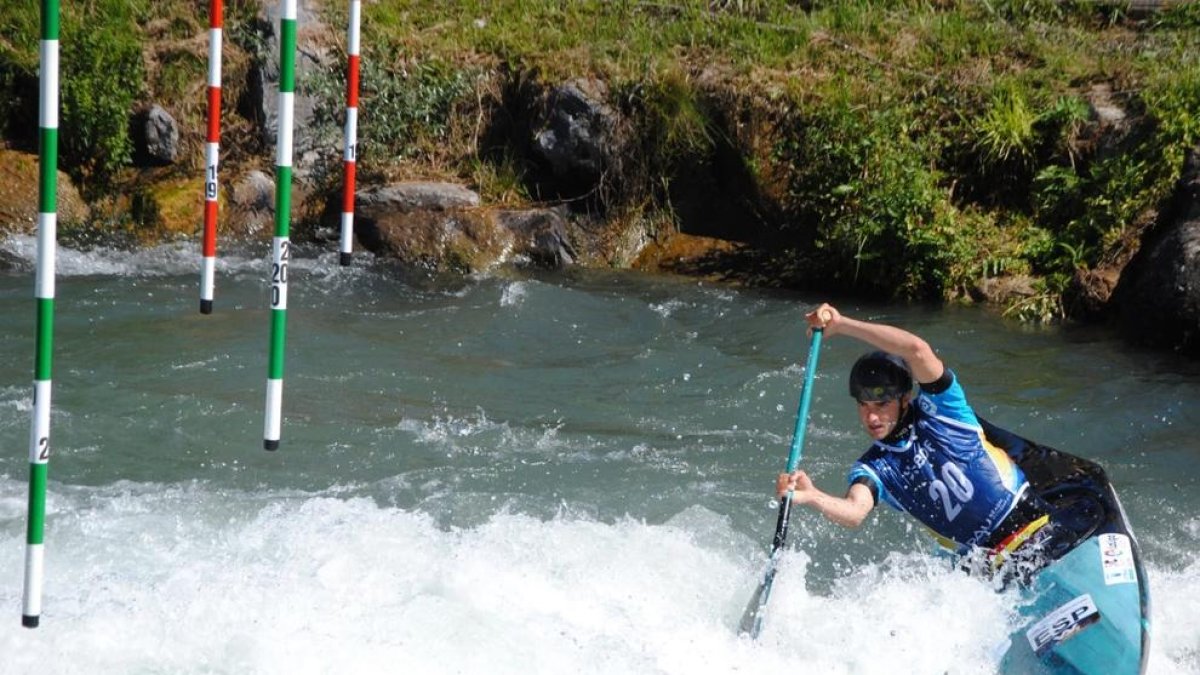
(756, 609)
(753, 617)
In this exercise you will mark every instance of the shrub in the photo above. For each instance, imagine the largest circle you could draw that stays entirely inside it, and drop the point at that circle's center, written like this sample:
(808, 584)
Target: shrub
(19, 72)
(863, 187)
(103, 77)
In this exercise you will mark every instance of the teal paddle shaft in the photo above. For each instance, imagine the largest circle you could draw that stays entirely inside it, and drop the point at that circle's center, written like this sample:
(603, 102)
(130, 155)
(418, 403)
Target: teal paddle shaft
(752, 619)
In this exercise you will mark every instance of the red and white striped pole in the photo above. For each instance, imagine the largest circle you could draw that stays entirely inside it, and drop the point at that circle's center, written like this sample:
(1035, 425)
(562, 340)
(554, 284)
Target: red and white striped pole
(211, 153)
(352, 49)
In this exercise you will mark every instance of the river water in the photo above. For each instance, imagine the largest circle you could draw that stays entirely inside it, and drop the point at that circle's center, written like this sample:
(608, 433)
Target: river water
(517, 473)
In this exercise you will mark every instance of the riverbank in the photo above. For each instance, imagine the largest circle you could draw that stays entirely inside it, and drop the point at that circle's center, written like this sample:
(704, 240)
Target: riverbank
(1012, 153)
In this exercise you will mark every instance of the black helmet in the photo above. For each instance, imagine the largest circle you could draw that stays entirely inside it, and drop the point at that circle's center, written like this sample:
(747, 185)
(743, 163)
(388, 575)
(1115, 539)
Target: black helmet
(880, 376)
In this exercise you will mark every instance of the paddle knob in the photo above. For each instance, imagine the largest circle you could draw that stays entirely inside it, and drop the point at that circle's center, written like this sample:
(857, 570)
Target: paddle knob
(825, 314)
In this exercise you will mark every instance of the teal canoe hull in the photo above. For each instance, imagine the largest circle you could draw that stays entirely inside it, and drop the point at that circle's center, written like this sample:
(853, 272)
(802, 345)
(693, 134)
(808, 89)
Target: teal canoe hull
(1083, 615)
(1088, 612)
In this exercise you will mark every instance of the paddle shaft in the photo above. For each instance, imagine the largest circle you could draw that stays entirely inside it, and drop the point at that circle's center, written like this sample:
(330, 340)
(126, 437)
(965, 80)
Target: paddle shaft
(752, 619)
(797, 449)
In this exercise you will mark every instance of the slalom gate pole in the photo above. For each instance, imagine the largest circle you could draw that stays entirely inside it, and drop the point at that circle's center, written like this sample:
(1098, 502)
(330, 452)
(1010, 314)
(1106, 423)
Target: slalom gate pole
(47, 242)
(211, 153)
(350, 157)
(280, 244)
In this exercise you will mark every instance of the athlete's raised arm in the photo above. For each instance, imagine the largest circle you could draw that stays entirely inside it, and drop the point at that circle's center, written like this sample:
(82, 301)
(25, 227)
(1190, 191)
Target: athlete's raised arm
(926, 366)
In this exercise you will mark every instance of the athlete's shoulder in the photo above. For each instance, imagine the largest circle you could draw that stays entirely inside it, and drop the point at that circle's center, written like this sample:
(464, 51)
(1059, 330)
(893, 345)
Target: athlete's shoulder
(875, 472)
(946, 399)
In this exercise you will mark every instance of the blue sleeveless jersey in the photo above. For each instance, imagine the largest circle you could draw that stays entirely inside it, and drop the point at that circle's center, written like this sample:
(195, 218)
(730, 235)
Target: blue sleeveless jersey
(945, 474)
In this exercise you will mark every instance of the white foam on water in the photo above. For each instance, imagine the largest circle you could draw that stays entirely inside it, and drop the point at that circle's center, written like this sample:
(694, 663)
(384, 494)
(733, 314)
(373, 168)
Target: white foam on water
(183, 258)
(910, 613)
(668, 307)
(156, 261)
(152, 578)
(513, 294)
(174, 258)
(1174, 596)
(18, 399)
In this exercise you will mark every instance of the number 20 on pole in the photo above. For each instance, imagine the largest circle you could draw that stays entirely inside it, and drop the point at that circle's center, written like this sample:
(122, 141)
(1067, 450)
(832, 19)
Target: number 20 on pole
(279, 266)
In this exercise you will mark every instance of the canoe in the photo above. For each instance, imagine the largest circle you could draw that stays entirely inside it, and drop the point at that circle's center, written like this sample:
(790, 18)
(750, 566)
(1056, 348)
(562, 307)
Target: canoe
(1088, 612)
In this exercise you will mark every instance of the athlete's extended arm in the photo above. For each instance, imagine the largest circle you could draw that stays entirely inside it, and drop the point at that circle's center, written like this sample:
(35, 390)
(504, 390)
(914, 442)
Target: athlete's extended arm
(926, 366)
(848, 511)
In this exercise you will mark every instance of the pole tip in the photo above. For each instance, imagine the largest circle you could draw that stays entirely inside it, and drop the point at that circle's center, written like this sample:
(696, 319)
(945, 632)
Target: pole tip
(29, 621)
(206, 306)
(271, 445)
(345, 258)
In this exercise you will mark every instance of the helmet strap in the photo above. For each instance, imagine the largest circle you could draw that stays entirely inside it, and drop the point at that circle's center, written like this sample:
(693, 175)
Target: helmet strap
(904, 423)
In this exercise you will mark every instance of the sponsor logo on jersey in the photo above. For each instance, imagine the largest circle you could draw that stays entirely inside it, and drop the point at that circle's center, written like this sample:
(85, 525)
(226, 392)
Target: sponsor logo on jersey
(927, 405)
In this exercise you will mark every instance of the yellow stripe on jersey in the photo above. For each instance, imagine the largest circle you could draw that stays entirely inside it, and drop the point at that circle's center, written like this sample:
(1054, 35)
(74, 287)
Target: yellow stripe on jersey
(1005, 466)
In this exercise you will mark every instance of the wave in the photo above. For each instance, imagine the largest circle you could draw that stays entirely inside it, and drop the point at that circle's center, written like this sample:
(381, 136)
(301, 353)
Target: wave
(169, 259)
(183, 578)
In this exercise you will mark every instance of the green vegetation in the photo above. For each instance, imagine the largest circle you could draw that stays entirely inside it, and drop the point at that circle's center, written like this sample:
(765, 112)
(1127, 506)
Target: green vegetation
(897, 147)
(909, 146)
(98, 92)
(115, 55)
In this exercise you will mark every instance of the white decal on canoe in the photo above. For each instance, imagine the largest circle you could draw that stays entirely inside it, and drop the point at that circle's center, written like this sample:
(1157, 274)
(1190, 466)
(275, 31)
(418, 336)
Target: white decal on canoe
(1062, 624)
(1116, 559)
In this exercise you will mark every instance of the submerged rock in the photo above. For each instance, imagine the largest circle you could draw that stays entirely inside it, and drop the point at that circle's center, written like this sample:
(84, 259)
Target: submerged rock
(440, 226)
(539, 234)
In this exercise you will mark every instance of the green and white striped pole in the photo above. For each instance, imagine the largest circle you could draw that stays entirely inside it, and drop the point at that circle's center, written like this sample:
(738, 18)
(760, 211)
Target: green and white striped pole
(280, 245)
(39, 436)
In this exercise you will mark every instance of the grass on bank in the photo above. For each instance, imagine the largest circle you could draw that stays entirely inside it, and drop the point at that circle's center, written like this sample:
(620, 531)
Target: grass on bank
(901, 147)
(906, 148)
